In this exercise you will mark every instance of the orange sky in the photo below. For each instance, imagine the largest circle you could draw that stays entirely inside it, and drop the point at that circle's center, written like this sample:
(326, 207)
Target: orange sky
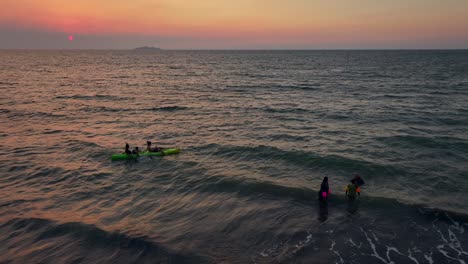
(273, 21)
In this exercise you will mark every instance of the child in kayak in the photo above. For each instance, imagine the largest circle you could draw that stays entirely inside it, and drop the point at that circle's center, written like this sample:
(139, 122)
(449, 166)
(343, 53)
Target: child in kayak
(150, 149)
(136, 151)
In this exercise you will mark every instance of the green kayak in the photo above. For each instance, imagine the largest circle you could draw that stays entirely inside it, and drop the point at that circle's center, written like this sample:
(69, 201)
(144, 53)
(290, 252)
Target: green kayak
(124, 156)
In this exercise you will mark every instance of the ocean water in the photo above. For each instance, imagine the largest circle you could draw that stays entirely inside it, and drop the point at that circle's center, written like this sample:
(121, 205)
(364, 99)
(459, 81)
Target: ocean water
(258, 131)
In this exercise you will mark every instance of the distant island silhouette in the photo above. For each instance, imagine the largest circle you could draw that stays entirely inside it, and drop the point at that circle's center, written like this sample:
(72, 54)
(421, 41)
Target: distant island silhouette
(146, 48)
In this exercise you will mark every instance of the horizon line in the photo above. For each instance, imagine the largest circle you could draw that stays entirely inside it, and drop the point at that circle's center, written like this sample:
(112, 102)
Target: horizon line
(234, 49)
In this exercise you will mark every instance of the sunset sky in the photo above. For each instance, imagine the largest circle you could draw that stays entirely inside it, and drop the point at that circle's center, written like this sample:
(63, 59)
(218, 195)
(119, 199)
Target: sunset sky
(240, 24)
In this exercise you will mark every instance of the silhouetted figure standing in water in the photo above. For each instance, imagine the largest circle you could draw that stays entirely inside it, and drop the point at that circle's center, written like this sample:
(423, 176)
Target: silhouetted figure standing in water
(322, 196)
(358, 181)
(324, 190)
(352, 190)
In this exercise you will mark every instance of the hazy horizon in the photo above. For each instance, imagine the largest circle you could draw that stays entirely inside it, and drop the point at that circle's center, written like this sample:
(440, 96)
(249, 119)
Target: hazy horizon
(239, 49)
(225, 25)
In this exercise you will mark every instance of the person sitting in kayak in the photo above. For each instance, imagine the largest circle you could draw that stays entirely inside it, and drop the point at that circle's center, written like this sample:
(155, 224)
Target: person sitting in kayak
(351, 190)
(127, 149)
(358, 180)
(324, 190)
(136, 151)
(150, 149)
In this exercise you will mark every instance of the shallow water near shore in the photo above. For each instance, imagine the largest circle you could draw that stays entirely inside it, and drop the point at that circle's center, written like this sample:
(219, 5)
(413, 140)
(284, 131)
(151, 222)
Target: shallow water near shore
(258, 132)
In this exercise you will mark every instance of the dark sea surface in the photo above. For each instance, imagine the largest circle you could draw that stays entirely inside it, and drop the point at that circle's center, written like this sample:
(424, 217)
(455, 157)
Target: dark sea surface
(258, 131)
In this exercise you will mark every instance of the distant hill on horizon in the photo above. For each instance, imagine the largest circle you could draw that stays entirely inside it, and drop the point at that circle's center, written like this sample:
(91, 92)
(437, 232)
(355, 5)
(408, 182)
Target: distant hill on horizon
(146, 48)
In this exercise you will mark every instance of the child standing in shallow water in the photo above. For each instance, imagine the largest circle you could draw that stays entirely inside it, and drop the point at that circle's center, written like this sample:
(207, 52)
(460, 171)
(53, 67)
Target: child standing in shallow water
(351, 190)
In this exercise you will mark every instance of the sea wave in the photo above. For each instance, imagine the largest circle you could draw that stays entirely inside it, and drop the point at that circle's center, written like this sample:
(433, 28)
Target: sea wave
(94, 97)
(76, 242)
(167, 108)
(250, 187)
(433, 142)
(25, 114)
(334, 163)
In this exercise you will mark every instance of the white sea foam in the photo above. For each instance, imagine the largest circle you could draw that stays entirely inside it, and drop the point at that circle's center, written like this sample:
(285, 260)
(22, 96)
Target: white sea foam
(429, 258)
(456, 225)
(410, 256)
(372, 245)
(451, 242)
(337, 253)
(354, 244)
